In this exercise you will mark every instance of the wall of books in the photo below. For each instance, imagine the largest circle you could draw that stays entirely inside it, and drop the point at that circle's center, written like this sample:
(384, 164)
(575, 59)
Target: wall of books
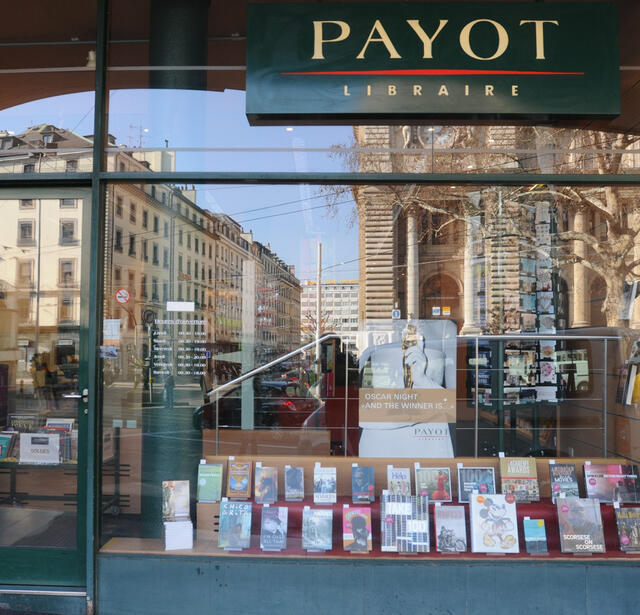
(514, 506)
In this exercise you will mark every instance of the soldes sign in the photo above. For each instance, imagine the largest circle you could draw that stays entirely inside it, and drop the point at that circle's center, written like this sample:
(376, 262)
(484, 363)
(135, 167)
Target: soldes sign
(379, 62)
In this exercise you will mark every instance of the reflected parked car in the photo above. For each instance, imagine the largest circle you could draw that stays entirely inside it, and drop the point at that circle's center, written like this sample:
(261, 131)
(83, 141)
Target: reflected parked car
(276, 404)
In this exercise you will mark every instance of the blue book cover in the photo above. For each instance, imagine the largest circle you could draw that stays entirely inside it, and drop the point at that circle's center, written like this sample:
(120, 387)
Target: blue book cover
(535, 536)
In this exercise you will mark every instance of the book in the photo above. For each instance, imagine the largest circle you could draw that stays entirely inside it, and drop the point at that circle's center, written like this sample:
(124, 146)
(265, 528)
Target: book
(450, 529)
(580, 525)
(563, 480)
(235, 525)
(266, 485)
(7, 443)
(178, 535)
(395, 511)
(612, 482)
(40, 448)
(25, 423)
(209, 482)
(399, 480)
(317, 529)
(519, 476)
(479, 479)
(362, 484)
(434, 483)
(414, 537)
(293, 484)
(356, 529)
(494, 527)
(273, 529)
(175, 500)
(535, 536)
(239, 480)
(324, 485)
(628, 522)
(60, 423)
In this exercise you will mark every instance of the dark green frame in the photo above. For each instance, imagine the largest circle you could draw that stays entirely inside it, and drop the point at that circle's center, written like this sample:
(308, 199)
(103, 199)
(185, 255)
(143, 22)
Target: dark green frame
(30, 567)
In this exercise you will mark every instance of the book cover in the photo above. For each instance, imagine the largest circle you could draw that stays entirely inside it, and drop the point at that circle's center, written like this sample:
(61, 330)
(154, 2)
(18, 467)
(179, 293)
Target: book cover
(25, 423)
(235, 525)
(7, 440)
(612, 482)
(481, 480)
(362, 484)
(324, 485)
(266, 485)
(209, 482)
(580, 525)
(273, 530)
(317, 529)
(628, 522)
(399, 480)
(293, 484)
(177, 535)
(563, 479)
(395, 511)
(494, 526)
(450, 529)
(413, 535)
(519, 476)
(434, 483)
(356, 529)
(175, 500)
(239, 480)
(535, 536)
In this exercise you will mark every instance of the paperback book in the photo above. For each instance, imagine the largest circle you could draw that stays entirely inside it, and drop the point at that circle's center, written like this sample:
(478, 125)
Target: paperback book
(612, 482)
(273, 530)
(356, 529)
(434, 483)
(293, 484)
(399, 480)
(628, 522)
(175, 500)
(7, 444)
(362, 484)
(404, 521)
(450, 529)
(178, 535)
(209, 482)
(317, 529)
(535, 536)
(266, 485)
(519, 476)
(324, 485)
(494, 526)
(239, 480)
(235, 525)
(481, 480)
(563, 480)
(580, 525)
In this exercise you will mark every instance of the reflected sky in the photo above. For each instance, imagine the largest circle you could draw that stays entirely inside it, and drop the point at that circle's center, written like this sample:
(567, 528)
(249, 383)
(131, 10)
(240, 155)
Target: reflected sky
(292, 219)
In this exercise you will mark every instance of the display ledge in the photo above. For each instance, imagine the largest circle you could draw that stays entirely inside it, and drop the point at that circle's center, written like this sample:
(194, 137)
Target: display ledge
(206, 540)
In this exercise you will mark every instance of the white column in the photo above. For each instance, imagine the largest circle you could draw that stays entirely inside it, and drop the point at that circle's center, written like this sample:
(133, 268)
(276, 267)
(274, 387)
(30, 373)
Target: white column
(579, 316)
(470, 326)
(413, 269)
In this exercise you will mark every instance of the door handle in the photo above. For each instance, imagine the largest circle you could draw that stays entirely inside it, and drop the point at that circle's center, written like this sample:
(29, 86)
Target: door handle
(84, 396)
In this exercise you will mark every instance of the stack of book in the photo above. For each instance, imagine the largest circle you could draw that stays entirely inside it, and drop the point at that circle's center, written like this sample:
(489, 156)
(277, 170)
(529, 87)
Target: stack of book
(178, 528)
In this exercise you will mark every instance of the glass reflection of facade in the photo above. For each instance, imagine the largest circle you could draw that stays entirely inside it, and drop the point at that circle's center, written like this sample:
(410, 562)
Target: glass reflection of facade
(199, 316)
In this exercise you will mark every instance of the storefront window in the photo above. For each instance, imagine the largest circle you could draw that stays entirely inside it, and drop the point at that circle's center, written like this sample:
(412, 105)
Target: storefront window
(455, 322)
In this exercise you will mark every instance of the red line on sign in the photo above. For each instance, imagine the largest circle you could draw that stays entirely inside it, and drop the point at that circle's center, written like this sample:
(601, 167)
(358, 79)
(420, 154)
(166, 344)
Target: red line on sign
(431, 71)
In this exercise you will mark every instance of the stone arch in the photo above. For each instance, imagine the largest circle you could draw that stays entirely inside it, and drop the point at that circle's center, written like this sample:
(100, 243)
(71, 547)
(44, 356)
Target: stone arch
(442, 290)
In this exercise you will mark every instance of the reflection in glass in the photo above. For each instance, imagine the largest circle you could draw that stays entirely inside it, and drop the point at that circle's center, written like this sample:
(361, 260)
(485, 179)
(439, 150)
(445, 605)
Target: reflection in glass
(39, 362)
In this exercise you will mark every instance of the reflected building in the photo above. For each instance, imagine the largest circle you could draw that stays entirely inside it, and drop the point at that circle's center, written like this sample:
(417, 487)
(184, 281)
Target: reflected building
(175, 261)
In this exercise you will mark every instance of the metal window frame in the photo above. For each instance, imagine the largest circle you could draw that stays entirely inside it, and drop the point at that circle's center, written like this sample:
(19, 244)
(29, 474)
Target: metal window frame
(97, 181)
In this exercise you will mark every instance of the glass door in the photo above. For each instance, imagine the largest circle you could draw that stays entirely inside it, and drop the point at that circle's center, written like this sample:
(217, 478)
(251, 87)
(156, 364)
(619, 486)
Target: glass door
(43, 385)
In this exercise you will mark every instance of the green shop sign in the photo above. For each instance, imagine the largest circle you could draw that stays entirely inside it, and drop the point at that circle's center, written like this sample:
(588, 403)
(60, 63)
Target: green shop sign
(350, 63)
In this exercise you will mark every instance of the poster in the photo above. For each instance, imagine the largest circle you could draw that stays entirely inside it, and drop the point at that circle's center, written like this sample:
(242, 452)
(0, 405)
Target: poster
(407, 403)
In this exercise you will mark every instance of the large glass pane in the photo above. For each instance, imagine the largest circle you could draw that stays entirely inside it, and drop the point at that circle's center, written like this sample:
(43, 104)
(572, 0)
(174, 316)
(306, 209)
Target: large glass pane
(40, 286)
(454, 322)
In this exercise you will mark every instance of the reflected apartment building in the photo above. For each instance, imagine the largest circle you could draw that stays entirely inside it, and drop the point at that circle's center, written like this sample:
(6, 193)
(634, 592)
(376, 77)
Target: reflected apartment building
(161, 247)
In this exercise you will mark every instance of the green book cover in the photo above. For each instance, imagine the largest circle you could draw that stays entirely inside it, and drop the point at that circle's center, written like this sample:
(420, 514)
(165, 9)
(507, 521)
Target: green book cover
(209, 482)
